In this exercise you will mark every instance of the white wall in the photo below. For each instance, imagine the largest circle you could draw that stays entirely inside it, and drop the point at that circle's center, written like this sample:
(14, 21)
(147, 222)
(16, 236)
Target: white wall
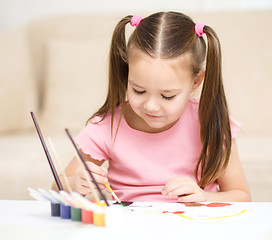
(18, 12)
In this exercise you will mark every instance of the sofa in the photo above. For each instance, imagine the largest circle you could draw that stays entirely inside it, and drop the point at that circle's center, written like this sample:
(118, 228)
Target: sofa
(56, 66)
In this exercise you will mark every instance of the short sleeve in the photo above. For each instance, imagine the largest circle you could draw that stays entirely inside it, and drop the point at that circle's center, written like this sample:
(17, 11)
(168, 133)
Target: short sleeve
(92, 140)
(235, 127)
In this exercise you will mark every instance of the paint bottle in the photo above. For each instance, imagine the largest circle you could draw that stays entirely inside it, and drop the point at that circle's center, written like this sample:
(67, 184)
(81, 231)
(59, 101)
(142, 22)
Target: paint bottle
(65, 211)
(86, 216)
(99, 218)
(55, 209)
(75, 214)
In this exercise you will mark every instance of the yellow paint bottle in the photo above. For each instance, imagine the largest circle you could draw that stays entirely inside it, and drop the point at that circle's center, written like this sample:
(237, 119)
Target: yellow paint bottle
(99, 218)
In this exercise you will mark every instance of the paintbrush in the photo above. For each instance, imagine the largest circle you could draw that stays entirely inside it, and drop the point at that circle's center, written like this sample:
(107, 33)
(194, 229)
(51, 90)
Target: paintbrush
(38, 195)
(87, 177)
(59, 197)
(51, 164)
(67, 197)
(73, 197)
(86, 204)
(52, 148)
(48, 196)
(112, 193)
(106, 185)
(86, 166)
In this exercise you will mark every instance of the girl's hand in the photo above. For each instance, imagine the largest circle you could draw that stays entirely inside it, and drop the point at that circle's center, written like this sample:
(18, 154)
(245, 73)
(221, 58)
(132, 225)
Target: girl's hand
(81, 184)
(185, 188)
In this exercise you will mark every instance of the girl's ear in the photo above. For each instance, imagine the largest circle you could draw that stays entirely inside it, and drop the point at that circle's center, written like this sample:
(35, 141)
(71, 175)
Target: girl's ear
(198, 79)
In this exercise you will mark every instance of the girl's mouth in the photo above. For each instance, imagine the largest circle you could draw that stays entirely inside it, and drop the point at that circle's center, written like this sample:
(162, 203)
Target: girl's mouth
(151, 116)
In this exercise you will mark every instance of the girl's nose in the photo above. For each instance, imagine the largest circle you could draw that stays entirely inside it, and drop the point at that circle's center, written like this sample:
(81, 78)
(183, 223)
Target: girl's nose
(151, 105)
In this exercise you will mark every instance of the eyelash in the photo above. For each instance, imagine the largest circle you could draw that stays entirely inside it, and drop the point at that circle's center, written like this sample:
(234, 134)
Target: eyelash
(168, 98)
(164, 97)
(138, 92)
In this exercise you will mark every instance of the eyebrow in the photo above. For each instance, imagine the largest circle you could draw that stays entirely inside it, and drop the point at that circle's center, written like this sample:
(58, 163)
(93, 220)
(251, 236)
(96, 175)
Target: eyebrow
(164, 91)
(171, 90)
(136, 85)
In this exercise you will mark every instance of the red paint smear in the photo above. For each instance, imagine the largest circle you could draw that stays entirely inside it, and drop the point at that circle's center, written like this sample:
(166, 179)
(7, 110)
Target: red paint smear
(217, 204)
(178, 212)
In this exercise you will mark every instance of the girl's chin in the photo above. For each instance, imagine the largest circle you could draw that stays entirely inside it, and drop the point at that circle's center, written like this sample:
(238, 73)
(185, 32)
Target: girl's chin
(156, 127)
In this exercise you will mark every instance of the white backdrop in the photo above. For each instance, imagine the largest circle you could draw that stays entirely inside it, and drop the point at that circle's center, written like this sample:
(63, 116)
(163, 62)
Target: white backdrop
(17, 12)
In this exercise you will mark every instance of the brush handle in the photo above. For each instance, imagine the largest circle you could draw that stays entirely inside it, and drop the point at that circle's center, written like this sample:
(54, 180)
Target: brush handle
(113, 193)
(47, 152)
(86, 167)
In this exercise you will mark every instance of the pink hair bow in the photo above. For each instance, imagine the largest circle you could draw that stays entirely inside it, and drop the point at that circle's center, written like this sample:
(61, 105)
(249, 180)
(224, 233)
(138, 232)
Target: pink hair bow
(135, 20)
(199, 28)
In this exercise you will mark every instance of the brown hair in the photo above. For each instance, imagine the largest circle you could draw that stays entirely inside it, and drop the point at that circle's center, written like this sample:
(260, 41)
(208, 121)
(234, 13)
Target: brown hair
(168, 35)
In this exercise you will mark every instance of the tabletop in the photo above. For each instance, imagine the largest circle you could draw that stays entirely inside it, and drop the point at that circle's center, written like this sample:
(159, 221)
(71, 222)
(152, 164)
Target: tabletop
(31, 219)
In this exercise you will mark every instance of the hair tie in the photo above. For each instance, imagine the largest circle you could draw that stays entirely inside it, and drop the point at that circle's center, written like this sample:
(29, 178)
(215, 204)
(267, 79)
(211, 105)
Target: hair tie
(135, 20)
(199, 28)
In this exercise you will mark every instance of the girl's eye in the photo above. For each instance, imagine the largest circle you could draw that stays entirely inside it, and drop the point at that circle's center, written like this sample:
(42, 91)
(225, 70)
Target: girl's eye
(138, 92)
(168, 98)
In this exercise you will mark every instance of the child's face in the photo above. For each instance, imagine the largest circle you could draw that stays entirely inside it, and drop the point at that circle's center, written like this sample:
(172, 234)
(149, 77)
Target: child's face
(158, 89)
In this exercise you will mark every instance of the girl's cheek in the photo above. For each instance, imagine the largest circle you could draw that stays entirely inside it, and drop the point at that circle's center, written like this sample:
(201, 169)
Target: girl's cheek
(134, 101)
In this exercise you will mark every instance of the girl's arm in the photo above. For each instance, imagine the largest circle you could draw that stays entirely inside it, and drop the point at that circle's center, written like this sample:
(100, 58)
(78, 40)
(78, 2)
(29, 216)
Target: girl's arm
(232, 183)
(76, 175)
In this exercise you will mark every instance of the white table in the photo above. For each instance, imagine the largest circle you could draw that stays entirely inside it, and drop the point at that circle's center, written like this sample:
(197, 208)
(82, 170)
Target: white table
(32, 220)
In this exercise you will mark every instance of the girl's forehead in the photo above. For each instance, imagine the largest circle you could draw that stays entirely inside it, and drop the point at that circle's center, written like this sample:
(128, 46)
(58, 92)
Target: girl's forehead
(136, 55)
(138, 60)
(145, 70)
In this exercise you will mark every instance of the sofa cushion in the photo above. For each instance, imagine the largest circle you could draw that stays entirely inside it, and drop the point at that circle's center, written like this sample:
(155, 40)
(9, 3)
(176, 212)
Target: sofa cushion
(18, 95)
(41, 30)
(71, 97)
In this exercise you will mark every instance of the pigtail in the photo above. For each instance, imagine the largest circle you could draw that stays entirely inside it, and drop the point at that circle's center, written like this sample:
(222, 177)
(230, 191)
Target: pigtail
(213, 116)
(118, 72)
(118, 68)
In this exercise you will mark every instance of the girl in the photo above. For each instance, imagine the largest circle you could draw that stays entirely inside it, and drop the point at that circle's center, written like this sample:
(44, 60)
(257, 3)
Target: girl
(161, 144)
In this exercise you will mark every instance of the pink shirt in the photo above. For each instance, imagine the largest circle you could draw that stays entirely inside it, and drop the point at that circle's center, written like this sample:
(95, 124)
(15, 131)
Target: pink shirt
(141, 163)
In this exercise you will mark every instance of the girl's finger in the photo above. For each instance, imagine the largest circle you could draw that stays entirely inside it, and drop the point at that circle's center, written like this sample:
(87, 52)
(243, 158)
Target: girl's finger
(84, 187)
(181, 191)
(99, 178)
(170, 186)
(188, 198)
(174, 184)
(97, 169)
(83, 190)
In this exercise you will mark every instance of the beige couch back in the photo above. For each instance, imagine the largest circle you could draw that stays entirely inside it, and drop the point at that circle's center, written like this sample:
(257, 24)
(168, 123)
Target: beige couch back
(68, 57)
